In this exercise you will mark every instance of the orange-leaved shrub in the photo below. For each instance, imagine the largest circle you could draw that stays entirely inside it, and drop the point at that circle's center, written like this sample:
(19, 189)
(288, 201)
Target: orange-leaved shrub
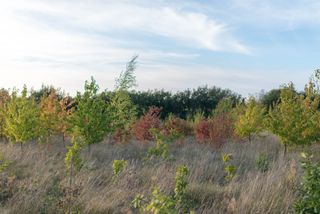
(151, 119)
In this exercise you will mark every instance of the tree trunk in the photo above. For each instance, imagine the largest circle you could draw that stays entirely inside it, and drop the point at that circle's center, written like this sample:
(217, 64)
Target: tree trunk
(70, 186)
(285, 149)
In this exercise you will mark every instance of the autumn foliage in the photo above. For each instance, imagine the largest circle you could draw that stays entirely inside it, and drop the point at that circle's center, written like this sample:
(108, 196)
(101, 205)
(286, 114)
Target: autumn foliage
(142, 127)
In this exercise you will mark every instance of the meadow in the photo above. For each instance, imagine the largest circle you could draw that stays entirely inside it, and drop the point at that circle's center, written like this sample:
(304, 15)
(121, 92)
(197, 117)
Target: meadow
(36, 181)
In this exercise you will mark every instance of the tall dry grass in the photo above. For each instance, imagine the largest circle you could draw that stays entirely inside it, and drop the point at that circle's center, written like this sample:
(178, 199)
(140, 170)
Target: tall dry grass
(36, 179)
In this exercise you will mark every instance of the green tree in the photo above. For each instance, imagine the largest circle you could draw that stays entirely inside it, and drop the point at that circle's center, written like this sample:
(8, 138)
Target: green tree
(4, 98)
(250, 122)
(309, 192)
(21, 118)
(121, 107)
(90, 119)
(296, 118)
(73, 163)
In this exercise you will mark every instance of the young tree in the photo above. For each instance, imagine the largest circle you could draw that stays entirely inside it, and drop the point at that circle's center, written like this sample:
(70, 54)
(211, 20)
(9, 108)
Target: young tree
(122, 109)
(295, 118)
(250, 122)
(4, 98)
(67, 107)
(73, 163)
(21, 118)
(123, 114)
(49, 116)
(90, 119)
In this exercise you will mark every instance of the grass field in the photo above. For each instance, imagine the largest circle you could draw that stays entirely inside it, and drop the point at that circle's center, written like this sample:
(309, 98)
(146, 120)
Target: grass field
(36, 181)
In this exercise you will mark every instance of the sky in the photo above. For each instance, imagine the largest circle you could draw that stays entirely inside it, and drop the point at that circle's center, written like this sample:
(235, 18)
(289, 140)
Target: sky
(243, 45)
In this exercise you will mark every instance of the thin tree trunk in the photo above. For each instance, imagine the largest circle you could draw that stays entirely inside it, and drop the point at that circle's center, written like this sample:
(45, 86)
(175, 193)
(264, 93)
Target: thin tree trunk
(285, 149)
(70, 186)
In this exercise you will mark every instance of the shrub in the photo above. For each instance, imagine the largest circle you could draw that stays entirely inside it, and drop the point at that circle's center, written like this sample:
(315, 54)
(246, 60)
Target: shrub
(202, 130)
(142, 127)
(309, 193)
(174, 126)
(215, 131)
(222, 129)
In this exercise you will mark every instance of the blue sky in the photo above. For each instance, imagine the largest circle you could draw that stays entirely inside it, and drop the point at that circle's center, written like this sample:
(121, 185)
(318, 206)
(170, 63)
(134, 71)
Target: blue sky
(244, 45)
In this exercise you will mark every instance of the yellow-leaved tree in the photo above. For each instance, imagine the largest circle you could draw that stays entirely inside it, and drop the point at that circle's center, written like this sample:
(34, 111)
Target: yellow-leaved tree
(21, 118)
(251, 120)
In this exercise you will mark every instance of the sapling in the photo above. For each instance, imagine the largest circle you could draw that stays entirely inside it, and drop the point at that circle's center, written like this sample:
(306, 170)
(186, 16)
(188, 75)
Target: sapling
(118, 166)
(160, 203)
(73, 163)
(229, 169)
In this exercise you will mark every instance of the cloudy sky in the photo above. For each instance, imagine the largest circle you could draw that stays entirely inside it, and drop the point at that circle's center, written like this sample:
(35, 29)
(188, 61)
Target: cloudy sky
(244, 45)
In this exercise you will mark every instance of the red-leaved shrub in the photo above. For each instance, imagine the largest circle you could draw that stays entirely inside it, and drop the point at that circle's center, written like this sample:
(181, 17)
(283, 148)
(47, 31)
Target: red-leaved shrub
(215, 131)
(202, 130)
(151, 119)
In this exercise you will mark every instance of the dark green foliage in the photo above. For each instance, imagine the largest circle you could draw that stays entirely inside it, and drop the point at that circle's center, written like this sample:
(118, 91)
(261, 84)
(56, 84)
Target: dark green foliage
(271, 98)
(45, 91)
(183, 103)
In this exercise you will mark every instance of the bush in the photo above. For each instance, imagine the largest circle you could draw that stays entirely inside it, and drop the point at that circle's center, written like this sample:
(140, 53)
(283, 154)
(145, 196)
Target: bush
(174, 126)
(202, 130)
(222, 129)
(142, 127)
(215, 131)
(309, 193)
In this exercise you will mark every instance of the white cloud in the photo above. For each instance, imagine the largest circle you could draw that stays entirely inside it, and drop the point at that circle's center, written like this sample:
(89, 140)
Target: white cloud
(65, 42)
(288, 14)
